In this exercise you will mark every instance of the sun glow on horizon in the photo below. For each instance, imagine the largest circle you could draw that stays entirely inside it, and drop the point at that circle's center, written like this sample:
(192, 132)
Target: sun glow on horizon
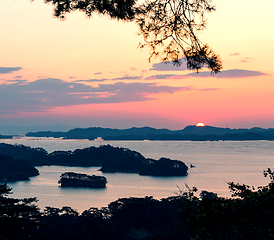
(200, 124)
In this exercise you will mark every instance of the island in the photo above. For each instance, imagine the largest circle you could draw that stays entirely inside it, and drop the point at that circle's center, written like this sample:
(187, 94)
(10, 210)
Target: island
(163, 167)
(72, 179)
(110, 159)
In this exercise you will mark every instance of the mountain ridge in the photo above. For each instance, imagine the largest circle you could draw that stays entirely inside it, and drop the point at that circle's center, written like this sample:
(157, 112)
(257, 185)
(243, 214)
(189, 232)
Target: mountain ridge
(190, 132)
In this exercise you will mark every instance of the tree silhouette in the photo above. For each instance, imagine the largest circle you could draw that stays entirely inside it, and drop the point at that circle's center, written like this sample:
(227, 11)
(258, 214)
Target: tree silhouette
(169, 27)
(82, 180)
(18, 217)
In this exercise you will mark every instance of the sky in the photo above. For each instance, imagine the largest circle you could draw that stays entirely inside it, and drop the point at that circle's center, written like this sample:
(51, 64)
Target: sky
(89, 72)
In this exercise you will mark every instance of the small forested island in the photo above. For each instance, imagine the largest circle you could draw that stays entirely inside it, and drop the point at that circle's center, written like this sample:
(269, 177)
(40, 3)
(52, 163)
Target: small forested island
(109, 158)
(72, 179)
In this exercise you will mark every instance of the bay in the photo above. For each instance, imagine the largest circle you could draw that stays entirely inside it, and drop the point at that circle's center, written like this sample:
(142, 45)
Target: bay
(216, 163)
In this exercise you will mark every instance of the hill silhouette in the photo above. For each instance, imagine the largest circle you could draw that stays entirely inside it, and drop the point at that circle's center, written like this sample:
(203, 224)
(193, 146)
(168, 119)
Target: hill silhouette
(15, 170)
(192, 133)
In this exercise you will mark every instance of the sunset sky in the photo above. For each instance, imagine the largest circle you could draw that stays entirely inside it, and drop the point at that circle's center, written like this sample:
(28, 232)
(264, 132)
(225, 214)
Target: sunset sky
(89, 72)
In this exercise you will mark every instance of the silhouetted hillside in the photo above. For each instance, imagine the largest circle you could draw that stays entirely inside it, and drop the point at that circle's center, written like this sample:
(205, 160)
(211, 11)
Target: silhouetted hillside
(15, 170)
(23, 152)
(94, 132)
(192, 133)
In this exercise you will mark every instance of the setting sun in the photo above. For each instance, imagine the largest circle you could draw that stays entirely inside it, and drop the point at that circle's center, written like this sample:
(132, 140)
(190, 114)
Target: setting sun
(200, 124)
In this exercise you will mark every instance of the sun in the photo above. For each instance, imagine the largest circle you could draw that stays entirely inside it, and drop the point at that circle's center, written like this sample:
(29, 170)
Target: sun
(200, 124)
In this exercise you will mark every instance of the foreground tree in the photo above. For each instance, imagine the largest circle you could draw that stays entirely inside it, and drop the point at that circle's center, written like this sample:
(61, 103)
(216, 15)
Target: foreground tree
(18, 217)
(248, 215)
(169, 27)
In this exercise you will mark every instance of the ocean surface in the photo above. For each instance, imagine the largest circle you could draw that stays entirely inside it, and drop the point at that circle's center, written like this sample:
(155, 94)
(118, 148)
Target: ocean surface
(216, 163)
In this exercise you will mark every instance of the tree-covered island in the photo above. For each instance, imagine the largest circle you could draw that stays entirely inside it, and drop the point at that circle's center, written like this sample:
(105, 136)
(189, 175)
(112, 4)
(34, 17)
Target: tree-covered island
(72, 179)
(108, 158)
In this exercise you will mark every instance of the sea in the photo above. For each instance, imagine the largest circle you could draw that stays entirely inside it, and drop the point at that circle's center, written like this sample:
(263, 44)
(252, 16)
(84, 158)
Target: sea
(214, 164)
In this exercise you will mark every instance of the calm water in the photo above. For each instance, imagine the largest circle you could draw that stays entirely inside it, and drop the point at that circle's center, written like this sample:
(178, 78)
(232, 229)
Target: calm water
(216, 164)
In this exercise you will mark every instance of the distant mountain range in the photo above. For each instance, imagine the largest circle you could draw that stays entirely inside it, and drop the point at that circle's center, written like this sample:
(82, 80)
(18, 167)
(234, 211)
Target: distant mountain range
(192, 133)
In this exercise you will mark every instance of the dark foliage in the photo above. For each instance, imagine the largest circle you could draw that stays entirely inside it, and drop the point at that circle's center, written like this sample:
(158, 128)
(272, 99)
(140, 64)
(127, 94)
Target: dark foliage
(116, 9)
(164, 167)
(125, 160)
(18, 217)
(17, 151)
(71, 179)
(247, 216)
(15, 170)
(169, 27)
(121, 160)
(126, 218)
(111, 159)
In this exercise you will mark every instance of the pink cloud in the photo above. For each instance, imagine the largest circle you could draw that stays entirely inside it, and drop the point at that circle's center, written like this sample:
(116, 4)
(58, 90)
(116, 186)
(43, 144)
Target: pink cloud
(246, 59)
(232, 73)
(235, 54)
(45, 94)
(166, 76)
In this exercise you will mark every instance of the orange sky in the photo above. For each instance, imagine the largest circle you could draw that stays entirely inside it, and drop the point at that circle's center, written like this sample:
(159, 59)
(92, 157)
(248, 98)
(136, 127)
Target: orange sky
(89, 72)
